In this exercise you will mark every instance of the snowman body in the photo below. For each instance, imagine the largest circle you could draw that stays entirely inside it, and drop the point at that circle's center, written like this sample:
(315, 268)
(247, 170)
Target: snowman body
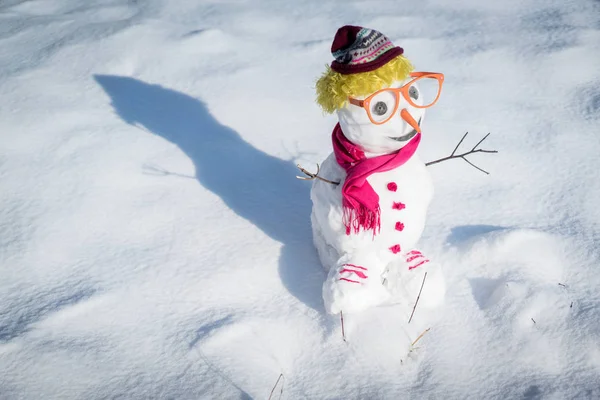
(404, 196)
(368, 268)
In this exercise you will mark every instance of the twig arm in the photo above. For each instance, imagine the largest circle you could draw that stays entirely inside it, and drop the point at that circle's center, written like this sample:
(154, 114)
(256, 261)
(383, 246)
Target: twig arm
(459, 143)
(481, 141)
(474, 150)
(310, 176)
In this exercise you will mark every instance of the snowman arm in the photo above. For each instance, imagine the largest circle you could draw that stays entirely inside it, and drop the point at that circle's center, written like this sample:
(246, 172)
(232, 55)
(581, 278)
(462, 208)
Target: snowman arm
(463, 155)
(311, 176)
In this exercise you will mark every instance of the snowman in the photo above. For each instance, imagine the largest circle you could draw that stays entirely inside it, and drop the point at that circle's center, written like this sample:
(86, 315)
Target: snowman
(370, 206)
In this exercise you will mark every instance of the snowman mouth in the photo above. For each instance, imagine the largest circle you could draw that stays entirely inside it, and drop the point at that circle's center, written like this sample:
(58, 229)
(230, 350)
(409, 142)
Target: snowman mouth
(408, 136)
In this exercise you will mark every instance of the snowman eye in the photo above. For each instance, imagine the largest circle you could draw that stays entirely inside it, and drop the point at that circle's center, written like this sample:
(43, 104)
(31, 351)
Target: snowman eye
(380, 108)
(383, 104)
(413, 92)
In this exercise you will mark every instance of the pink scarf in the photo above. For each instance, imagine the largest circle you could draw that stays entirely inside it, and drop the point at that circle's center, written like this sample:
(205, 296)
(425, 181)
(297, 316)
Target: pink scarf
(360, 202)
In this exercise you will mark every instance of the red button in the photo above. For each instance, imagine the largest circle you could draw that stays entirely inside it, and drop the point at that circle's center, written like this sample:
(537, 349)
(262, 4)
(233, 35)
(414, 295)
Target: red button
(398, 206)
(395, 248)
(399, 226)
(392, 186)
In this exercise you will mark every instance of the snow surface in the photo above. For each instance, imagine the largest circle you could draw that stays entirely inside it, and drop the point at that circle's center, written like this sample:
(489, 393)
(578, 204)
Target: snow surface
(155, 243)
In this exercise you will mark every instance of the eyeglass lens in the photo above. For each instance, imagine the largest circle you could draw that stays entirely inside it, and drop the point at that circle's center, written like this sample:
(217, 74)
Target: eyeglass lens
(423, 92)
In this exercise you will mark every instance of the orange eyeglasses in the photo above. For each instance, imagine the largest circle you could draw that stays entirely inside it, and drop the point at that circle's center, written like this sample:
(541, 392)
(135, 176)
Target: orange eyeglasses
(382, 105)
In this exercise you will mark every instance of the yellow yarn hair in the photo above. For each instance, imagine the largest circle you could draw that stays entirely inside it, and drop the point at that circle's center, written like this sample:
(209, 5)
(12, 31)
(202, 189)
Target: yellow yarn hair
(334, 88)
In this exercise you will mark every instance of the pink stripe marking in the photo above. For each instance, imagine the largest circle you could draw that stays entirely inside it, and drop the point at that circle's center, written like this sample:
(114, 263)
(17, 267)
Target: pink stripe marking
(414, 252)
(418, 265)
(355, 266)
(360, 274)
(373, 52)
(415, 257)
(348, 280)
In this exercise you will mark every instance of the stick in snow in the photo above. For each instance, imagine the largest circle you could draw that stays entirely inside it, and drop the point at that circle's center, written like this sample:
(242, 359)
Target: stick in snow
(418, 296)
(420, 336)
(276, 383)
(343, 333)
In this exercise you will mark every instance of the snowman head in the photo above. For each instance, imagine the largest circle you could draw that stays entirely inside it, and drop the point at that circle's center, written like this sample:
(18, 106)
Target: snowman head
(379, 100)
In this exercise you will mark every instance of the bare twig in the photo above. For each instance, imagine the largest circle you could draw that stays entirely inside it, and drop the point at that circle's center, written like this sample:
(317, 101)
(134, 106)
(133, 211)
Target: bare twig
(533, 321)
(562, 284)
(342, 319)
(217, 370)
(459, 143)
(475, 149)
(276, 383)
(310, 176)
(150, 169)
(481, 141)
(475, 166)
(420, 336)
(418, 296)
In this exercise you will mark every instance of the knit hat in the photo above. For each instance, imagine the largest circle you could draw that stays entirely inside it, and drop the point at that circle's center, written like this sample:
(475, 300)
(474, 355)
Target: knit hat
(357, 49)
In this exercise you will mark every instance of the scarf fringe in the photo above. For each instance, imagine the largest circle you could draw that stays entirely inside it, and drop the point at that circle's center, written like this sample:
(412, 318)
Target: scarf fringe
(355, 219)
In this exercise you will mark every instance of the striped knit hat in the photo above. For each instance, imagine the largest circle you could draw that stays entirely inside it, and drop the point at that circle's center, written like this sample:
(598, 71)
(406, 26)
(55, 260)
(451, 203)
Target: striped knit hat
(357, 49)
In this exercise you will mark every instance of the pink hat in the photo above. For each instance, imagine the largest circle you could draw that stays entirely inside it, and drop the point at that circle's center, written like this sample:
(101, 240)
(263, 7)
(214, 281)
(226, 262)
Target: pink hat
(357, 49)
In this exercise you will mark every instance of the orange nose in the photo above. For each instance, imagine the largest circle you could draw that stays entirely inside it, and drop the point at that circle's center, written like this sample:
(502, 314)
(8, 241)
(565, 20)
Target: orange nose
(410, 120)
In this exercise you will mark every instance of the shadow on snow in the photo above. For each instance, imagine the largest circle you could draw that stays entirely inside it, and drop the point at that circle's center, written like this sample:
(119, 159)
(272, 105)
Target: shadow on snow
(257, 186)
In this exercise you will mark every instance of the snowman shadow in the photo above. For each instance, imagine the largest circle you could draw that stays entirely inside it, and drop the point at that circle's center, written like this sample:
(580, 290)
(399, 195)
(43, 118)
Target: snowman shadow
(255, 185)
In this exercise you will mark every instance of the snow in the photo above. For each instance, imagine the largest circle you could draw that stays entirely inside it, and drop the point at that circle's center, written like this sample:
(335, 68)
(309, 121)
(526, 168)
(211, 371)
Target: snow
(154, 242)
